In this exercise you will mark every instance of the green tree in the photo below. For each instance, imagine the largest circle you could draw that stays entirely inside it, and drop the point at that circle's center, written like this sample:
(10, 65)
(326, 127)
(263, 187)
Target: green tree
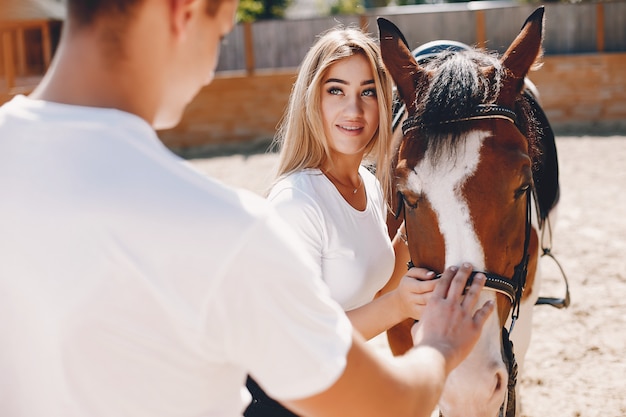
(251, 10)
(350, 7)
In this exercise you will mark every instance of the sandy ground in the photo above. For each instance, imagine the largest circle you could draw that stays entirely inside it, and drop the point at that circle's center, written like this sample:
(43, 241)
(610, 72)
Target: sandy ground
(575, 365)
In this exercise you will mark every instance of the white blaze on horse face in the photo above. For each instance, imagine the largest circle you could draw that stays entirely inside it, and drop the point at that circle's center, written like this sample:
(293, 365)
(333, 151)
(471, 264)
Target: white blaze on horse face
(477, 385)
(442, 184)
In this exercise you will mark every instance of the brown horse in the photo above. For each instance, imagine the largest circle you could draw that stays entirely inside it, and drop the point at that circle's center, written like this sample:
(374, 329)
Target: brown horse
(472, 162)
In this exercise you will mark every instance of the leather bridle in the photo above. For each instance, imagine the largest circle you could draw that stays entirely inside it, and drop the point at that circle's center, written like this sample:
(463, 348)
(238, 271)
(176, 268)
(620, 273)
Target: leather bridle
(512, 287)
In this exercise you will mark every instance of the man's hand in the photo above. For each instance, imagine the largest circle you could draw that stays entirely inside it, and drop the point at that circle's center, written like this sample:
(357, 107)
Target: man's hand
(450, 322)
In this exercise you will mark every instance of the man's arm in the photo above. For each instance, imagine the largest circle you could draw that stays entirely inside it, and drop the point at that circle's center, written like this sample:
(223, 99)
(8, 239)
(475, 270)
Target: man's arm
(411, 385)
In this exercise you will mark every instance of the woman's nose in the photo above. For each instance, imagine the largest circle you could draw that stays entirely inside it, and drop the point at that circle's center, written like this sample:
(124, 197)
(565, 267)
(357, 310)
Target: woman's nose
(354, 106)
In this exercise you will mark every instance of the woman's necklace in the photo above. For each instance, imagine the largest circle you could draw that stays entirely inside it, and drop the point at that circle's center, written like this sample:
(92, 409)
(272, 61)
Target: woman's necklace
(349, 186)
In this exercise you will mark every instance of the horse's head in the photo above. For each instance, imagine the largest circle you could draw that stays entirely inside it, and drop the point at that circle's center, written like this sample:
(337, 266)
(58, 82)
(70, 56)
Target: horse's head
(465, 172)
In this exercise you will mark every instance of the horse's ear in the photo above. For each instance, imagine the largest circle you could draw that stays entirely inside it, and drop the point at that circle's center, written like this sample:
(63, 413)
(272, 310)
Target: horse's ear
(398, 59)
(524, 50)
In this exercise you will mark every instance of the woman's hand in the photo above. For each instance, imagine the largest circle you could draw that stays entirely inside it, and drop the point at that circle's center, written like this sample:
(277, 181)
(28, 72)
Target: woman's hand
(414, 291)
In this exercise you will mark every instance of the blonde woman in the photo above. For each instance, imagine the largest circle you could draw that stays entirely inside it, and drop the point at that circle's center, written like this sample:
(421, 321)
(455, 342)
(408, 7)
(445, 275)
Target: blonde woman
(338, 121)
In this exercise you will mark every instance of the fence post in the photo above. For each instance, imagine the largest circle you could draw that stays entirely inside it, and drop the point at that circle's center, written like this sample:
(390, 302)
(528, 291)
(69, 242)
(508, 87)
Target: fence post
(9, 64)
(20, 50)
(599, 27)
(481, 35)
(46, 44)
(249, 47)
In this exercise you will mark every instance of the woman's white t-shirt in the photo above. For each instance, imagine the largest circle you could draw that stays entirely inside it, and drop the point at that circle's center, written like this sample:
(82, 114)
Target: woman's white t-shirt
(352, 247)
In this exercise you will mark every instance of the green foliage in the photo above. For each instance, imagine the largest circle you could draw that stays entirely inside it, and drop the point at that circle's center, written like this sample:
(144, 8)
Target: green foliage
(343, 7)
(252, 10)
(249, 10)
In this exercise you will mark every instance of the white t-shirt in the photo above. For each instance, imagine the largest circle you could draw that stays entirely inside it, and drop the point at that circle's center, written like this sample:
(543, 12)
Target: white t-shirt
(132, 285)
(351, 246)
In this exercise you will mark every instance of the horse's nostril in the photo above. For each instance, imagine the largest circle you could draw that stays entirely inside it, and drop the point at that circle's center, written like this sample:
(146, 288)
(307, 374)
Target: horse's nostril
(498, 382)
(501, 384)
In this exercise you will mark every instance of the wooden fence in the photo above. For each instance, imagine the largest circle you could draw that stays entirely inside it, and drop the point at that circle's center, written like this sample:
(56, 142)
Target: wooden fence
(26, 50)
(570, 29)
(581, 94)
(583, 81)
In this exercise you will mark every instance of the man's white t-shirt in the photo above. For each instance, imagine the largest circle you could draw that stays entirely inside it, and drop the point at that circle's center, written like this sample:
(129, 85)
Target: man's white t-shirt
(132, 285)
(351, 246)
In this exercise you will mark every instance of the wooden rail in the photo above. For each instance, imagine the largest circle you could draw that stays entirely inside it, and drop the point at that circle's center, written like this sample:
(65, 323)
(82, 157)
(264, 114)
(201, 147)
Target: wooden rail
(248, 52)
(14, 47)
(256, 46)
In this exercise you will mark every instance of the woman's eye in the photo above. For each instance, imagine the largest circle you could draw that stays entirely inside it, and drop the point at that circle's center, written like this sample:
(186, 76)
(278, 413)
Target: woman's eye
(335, 91)
(371, 92)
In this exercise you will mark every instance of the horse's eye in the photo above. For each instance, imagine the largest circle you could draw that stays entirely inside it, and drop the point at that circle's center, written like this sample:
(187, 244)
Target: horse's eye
(522, 190)
(412, 206)
(410, 200)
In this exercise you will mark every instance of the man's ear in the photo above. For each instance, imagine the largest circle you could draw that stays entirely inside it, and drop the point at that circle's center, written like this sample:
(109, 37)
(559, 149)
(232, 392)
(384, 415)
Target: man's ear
(181, 12)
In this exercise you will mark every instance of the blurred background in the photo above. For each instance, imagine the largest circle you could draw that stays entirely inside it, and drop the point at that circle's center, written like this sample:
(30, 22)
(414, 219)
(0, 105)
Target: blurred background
(575, 366)
(582, 81)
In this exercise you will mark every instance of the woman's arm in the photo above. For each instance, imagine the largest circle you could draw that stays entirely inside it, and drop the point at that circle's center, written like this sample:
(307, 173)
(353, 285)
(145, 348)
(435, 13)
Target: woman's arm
(385, 311)
(401, 251)
(404, 296)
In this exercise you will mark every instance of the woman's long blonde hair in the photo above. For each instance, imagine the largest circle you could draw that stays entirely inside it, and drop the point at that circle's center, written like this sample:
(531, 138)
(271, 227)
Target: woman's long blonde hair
(300, 137)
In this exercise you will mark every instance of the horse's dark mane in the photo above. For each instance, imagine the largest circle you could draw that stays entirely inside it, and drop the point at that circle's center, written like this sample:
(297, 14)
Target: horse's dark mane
(456, 87)
(528, 124)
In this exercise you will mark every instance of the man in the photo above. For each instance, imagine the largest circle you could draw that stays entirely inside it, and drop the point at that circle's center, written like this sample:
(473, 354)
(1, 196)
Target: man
(130, 285)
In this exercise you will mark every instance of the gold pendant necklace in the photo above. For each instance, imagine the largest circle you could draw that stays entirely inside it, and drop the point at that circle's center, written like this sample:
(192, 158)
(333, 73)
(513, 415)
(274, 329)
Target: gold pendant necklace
(358, 186)
(354, 191)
